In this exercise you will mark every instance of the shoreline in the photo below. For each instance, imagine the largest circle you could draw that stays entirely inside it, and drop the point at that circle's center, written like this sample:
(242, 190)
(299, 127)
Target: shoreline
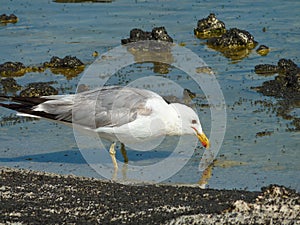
(32, 197)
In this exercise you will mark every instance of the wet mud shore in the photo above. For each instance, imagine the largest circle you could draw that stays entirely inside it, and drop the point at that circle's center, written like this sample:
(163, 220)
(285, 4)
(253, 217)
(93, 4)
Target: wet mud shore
(30, 197)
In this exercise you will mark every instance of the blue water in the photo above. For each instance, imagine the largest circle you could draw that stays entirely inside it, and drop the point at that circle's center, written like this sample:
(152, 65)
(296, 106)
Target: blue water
(47, 29)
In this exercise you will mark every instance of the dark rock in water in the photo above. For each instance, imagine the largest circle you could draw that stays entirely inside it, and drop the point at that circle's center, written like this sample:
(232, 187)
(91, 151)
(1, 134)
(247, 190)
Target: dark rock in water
(154, 46)
(263, 50)
(264, 133)
(10, 85)
(233, 39)
(15, 69)
(68, 66)
(234, 44)
(157, 34)
(287, 66)
(296, 123)
(8, 69)
(38, 89)
(160, 34)
(67, 62)
(137, 35)
(160, 68)
(12, 18)
(209, 27)
(280, 88)
(285, 86)
(266, 69)
(283, 66)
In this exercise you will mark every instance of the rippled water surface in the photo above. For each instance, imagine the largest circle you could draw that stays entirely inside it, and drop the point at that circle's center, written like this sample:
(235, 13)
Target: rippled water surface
(246, 159)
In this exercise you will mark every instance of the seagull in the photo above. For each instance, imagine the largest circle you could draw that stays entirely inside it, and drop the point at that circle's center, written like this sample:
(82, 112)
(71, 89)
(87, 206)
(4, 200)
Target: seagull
(114, 113)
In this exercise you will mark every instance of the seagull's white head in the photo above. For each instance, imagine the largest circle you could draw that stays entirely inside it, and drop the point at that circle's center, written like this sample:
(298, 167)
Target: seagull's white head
(190, 123)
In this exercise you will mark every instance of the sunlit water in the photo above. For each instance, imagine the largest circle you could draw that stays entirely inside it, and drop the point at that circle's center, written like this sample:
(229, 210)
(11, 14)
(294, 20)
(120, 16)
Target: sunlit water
(47, 29)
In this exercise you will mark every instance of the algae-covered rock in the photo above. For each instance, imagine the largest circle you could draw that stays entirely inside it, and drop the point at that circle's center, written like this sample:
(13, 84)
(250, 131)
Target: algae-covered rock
(11, 69)
(157, 34)
(286, 84)
(17, 69)
(10, 85)
(38, 89)
(235, 43)
(233, 39)
(66, 62)
(12, 18)
(263, 50)
(68, 66)
(209, 27)
(285, 87)
(154, 46)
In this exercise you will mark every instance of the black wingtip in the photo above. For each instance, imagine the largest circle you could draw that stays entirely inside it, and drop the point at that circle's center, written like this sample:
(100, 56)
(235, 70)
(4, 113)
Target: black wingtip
(4, 98)
(21, 104)
(26, 105)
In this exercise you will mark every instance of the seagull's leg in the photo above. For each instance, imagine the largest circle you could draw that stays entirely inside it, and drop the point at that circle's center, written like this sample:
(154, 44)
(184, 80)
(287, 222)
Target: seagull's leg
(124, 153)
(125, 165)
(112, 153)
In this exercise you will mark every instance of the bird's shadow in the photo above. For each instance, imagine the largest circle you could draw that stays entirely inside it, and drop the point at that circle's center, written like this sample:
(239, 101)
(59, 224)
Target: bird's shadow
(75, 157)
(67, 156)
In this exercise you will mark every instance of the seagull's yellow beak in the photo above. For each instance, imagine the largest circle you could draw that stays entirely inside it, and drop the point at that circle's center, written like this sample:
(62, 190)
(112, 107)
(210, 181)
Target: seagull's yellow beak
(202, 138)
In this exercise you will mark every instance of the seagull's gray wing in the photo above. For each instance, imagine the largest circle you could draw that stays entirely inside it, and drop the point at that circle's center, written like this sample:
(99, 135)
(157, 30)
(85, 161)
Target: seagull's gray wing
(106, 106)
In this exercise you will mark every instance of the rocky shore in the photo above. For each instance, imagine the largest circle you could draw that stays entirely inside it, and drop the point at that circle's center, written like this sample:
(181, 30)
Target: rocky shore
(30, 197)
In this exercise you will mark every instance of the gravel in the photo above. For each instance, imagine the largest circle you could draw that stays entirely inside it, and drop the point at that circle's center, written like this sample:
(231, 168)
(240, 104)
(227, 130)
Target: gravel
(31, 197)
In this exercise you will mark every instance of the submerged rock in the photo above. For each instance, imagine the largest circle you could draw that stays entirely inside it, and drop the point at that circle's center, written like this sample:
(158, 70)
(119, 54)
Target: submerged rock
(233, 39)
(10, 85)
(38, 89)
(154, 46)
(12, 18)
(263, 50)
(287, 66)
(16, 69)
(160, 34)
(67, 62)
(286, 84)
(296, 124)
(10, 69)
(283, 66)
(266, 69)
(157, 34)
(137, 35)
(235, 43)
(209, 27)
(68, 66)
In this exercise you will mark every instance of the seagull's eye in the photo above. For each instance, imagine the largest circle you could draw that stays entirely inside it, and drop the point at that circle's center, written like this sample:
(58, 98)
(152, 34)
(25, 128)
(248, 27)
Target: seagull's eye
(194, 121)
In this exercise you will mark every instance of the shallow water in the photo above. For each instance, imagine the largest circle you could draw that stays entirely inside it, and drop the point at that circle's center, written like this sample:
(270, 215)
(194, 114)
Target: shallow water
(245, 161)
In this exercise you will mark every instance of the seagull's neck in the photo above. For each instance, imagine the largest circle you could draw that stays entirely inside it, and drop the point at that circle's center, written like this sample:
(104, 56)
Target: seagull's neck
(167, 115)
(173, 121)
